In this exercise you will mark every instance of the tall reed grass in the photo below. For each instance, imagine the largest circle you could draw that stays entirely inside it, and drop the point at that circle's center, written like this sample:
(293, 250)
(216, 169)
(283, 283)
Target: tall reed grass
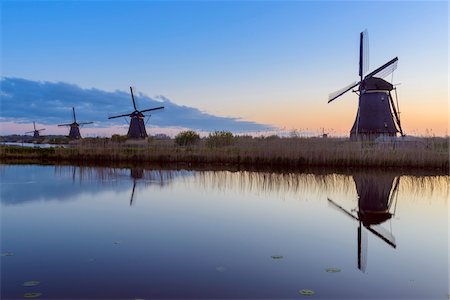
(424, 153)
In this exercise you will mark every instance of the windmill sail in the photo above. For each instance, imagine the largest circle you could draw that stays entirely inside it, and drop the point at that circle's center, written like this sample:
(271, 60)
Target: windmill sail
(342, 91)
(362, 248)
(384, 70)
(387, 71)
(363, 53)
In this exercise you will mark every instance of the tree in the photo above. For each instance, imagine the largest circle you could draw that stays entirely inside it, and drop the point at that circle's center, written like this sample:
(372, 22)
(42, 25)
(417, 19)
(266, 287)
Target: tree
(220, 138)
(187, 138)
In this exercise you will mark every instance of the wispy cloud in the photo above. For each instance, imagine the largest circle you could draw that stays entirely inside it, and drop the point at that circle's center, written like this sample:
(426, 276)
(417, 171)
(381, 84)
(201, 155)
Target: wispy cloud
(24, 101)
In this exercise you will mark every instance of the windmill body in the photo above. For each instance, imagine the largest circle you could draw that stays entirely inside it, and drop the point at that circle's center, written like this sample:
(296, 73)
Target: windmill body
(35, 132)
(136, 129)
(377, 114)
(137, 126)
(74, 132)
(374, 193)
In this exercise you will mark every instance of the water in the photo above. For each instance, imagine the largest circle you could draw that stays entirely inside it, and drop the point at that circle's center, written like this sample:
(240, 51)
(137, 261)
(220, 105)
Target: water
(87, 233)
(32, 145)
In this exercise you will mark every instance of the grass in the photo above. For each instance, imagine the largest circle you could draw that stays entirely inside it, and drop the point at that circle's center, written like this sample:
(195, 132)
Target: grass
(292, 153)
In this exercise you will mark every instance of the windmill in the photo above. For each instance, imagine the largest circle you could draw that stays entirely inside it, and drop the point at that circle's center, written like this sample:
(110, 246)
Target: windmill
(35, 132)
(374, 116)
(376, 197)
(74, 132)
(137, 126)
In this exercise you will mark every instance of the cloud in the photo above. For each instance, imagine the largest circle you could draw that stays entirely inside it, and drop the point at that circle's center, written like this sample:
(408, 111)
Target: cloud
(24, 101)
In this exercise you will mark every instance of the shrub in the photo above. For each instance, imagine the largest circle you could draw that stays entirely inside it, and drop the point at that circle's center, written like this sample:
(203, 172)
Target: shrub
(220, 138)
(118, 138)
(186, 138)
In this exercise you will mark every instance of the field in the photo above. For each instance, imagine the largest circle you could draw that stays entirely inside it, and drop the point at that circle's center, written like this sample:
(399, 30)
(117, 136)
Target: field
(292, 153)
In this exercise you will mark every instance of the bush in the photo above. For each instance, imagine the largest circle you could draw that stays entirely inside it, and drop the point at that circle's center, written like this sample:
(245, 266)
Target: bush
(220, 138)
(118, 138)
(187, 138)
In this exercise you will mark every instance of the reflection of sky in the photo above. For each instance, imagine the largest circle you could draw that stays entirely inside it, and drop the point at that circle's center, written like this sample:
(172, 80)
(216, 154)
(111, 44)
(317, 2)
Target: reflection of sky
(175, 236)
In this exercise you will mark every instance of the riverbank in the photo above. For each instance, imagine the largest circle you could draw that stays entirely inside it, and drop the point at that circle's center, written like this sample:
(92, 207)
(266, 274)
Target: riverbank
(273, 152)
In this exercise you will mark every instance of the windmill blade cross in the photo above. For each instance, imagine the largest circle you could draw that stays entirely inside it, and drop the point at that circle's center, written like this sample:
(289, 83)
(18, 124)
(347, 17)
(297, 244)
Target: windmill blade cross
(85, 123)
(342, 91)
(64, 125)
(151, 109)
(34, 125)
(29, 132)
(41, 129)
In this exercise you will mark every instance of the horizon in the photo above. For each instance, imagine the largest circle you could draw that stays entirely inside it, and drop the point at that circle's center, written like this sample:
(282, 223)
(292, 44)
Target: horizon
(237, 66)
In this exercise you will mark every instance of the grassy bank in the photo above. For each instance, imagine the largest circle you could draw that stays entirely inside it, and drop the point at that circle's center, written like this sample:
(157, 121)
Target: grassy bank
(425, 153)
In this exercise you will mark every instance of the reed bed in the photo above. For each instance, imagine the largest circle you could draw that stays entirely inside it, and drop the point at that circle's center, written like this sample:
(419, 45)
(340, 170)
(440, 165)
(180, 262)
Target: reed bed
(423, 153)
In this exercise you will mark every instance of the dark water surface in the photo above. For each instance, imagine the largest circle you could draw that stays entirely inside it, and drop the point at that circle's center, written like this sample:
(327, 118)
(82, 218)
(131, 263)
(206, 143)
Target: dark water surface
(87, 233)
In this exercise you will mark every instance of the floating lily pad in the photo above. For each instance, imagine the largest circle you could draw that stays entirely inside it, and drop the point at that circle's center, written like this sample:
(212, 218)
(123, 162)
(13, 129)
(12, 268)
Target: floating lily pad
(332, 270)
(307, 292)
(277, 256)
(7, 254)
(221, 269)
(32, 295)
(31, 283)
(117, 242)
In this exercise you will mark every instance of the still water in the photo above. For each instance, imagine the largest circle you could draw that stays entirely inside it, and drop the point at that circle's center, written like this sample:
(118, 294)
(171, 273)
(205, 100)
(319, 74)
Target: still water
(88, 233)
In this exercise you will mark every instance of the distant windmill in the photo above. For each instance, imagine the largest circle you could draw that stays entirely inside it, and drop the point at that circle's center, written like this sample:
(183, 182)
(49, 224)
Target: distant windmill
(74, 132)
(35, 132)
(137, 126)
(374, 116)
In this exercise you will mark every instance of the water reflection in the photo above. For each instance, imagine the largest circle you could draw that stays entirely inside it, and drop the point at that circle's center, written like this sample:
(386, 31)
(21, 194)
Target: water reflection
(62, 183)
(214, 234)
(377, 202)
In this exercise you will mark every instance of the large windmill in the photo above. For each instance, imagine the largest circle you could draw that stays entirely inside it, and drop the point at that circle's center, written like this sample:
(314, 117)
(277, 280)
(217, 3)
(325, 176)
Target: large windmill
(374, 116)
(35, 132)
(137, 125)
(74, 132)
(376, 204)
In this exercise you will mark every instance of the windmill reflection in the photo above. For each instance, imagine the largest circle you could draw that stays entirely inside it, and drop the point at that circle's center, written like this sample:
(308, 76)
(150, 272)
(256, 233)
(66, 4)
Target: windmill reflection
(377, 200)
(160, 178)
(136, 174)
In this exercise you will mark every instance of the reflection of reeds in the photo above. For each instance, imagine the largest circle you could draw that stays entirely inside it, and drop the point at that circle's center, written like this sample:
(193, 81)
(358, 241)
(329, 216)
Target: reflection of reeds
(431, 153)
(277, 184)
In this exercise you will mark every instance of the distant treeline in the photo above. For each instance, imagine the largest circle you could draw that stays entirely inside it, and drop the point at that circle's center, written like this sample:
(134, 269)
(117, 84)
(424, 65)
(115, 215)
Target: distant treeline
(223, 148)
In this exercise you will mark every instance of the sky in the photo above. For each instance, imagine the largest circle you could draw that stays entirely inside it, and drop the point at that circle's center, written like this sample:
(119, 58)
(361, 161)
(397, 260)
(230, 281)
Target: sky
(242, 65)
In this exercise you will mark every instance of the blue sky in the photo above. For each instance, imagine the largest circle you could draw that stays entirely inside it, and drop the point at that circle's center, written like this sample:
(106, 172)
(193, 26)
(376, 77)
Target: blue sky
(267, 62)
